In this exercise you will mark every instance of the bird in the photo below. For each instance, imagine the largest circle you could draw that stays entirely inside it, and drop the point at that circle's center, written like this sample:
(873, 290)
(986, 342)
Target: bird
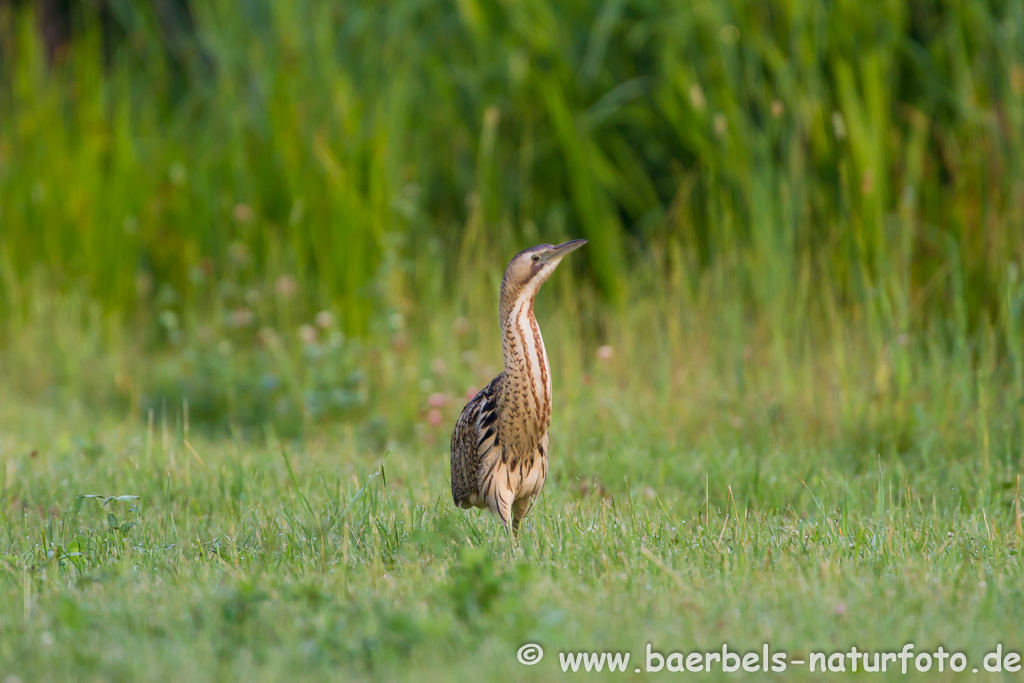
(499, 447)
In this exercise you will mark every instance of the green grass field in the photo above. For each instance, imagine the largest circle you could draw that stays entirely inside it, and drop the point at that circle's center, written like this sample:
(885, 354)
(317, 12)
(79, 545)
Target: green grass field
(248, 281)
(203, 559)
(681, 511)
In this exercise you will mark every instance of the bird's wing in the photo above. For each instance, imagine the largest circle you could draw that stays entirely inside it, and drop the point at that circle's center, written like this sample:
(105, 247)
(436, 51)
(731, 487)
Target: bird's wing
(475, 434)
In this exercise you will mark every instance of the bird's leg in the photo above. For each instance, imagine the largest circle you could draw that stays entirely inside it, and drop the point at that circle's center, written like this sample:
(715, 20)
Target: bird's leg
(499, 500)
(520, 508)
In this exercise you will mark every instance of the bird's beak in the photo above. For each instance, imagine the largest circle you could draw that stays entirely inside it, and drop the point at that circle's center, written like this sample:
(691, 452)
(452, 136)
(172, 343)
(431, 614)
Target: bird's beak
(561, 250)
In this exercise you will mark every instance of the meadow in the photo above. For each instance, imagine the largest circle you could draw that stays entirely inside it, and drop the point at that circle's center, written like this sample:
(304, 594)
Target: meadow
(248, 279)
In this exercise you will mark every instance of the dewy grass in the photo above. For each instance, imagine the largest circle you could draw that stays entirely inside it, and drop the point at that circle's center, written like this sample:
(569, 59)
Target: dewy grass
(788, 372)
(127, 553)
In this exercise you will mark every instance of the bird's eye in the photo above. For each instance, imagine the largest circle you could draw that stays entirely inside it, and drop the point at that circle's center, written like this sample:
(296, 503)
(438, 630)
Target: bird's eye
(536, 258)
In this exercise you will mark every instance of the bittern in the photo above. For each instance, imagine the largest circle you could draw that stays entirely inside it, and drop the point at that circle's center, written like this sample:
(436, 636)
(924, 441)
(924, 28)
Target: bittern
(500, 442)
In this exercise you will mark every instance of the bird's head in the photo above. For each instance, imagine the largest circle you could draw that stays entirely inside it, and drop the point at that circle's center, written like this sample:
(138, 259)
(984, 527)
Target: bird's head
(528, 269)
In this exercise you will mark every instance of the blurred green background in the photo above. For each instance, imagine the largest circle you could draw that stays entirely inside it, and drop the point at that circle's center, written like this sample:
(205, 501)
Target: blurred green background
(832, 186)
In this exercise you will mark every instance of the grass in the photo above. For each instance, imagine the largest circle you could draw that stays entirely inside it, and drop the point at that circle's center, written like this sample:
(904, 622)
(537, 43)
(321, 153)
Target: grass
(154, 554)
(695, 499)
(245, 289)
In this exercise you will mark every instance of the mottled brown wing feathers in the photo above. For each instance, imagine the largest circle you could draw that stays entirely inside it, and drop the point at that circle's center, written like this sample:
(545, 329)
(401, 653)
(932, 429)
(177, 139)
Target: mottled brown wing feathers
(475, 433)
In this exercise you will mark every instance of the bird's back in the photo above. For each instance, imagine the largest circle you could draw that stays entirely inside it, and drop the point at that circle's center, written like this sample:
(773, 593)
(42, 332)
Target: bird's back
(475, 434)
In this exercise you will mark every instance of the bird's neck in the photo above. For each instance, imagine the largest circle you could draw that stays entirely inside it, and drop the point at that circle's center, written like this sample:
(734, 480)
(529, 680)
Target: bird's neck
(526, 396)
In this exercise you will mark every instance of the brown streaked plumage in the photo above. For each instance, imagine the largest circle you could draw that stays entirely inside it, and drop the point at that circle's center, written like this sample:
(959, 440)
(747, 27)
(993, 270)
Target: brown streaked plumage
(500, 442)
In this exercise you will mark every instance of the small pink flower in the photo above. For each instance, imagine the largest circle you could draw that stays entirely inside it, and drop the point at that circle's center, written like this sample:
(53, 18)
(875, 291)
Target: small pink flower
(324, 319)
(286, 286)
(471, 393)
(307, 333)
(243, 212)
(434, 417)
(605, 352)
(437, 400)
(840, 609)
(242, 317)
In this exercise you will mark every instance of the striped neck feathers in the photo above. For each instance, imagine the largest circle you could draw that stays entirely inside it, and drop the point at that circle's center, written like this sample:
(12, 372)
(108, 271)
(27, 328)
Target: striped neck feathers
(525, 399)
